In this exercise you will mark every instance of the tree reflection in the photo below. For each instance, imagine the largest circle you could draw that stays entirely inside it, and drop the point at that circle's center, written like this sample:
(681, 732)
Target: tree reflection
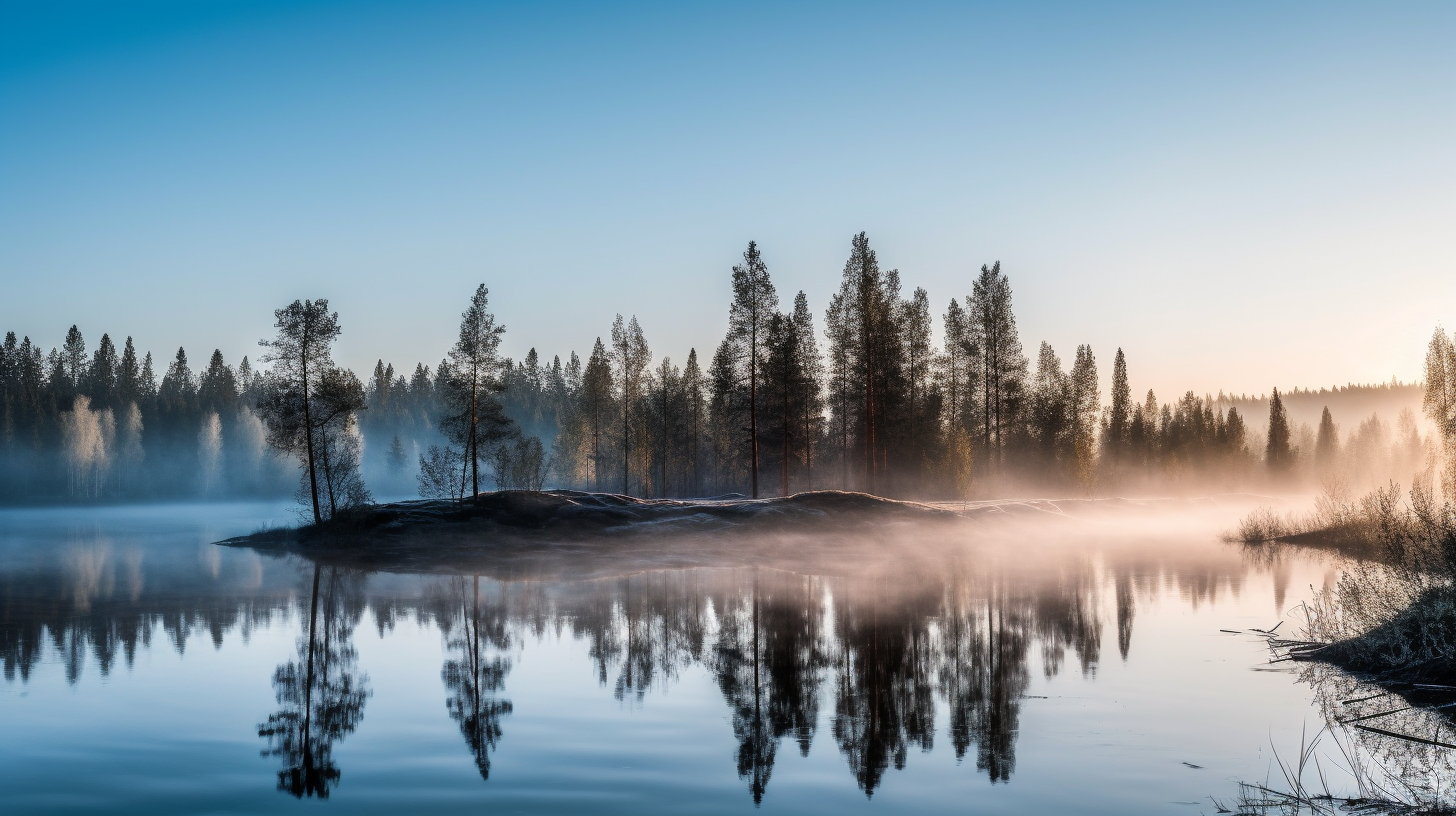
(321, 694)
(984, 674)
(768, 660)
(472, 677)
(884, 701)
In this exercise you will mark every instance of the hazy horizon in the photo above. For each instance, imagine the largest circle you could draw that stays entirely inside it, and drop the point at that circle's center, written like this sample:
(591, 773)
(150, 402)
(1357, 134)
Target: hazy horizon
(1240, 198)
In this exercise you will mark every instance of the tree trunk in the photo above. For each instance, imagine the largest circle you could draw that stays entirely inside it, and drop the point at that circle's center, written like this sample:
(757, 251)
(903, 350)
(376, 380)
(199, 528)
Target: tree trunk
(308, 430)
(753, 400)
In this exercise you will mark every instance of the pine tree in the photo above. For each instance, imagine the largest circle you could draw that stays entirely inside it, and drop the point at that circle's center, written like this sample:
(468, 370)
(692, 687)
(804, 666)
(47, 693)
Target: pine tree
(217, 389)
(474, 417)
(301, 354)
(915, 318)
(728, 412)
(695, 401)
(811, 375)
(864, 334)
(1050, 410)
(148, 382)
(1119, 414)
(631, 355)
(396, 456)
(1278, 454)
(72, 364)
(667, 383)
(755, 302)
(101, 375)
(780, 392)
(955, 367)
(1085, 407)
(1327, 443)
(128, 376)
(1001, 368)
(840, 337)
(177, 394)
(596, 399)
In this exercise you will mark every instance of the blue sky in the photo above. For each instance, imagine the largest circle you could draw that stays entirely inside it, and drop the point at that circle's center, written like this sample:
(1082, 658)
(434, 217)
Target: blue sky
(1241, 195)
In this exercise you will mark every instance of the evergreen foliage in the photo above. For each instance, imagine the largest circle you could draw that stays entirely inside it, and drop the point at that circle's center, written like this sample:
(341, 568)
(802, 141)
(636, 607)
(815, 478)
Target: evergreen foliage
(870, 404)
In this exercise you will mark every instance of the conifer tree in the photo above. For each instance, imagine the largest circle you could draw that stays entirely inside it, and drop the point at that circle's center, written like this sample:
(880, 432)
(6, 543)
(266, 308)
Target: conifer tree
(1278, 454)
(1050, 409)
(1327, 442)
(474, 416)
(101, 375)
(755, 302)
(864, 329)
(780, 391)
(915, 318)
(596, 400)
(128, 376)
(1085, 407)
(954, 366)
(631, 355)
(301, 354)
(72, 363)
(695, 401)
(1119, 413)
(148, 382)
(728, 410)
(840, 338)
(177, 394)
(810, 368)
(1001, 368)
(217, 389)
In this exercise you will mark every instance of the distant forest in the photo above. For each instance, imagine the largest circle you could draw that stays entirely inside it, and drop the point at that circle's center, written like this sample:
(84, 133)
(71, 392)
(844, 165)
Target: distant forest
(862, 399)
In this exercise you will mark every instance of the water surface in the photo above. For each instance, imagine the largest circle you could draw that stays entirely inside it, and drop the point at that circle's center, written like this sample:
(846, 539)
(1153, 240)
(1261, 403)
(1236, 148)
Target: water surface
(1067, 660)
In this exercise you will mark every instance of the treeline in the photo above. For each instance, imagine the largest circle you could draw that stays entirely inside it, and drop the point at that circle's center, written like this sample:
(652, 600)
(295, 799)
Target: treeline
(104, 424)
(858, 397)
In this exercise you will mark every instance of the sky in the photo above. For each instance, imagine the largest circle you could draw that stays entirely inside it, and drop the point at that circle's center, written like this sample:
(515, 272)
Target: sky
(1239, 195)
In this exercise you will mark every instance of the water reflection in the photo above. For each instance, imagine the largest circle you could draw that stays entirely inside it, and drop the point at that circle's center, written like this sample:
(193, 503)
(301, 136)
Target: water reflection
(473, 675)
(322, 693)
(861, 664)
(769, 659)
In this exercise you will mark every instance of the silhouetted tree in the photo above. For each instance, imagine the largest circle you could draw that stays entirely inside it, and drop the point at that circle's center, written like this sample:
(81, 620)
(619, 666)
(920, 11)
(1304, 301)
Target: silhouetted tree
(596, 400)
(473, 677)
(1000, 366)
(217, 389)
(321, 694)
(101, 375)
(696, 403)
(301, 354)
(631, 355)
(1085, 407)
(1117, 430)
(473, 413)
(755, 302)
(1327, 443)
(1278, 453)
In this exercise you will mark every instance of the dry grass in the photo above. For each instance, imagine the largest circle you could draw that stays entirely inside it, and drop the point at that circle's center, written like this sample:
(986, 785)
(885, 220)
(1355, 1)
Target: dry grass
(1393, 609)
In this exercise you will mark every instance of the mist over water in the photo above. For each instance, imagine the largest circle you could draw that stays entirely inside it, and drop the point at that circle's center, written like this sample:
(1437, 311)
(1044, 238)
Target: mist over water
(1038, 656)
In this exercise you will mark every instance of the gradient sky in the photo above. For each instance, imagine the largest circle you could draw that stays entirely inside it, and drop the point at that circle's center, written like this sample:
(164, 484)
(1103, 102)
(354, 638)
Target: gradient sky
(1241, 195)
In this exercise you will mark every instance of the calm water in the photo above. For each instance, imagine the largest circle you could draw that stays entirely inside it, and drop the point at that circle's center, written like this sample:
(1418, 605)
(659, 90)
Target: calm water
(1044, 663)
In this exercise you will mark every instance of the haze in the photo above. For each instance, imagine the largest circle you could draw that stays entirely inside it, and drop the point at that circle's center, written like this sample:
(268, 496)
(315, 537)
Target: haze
(1240, 197)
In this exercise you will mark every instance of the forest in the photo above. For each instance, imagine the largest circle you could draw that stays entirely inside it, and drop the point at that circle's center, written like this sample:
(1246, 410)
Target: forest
(857, 397)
